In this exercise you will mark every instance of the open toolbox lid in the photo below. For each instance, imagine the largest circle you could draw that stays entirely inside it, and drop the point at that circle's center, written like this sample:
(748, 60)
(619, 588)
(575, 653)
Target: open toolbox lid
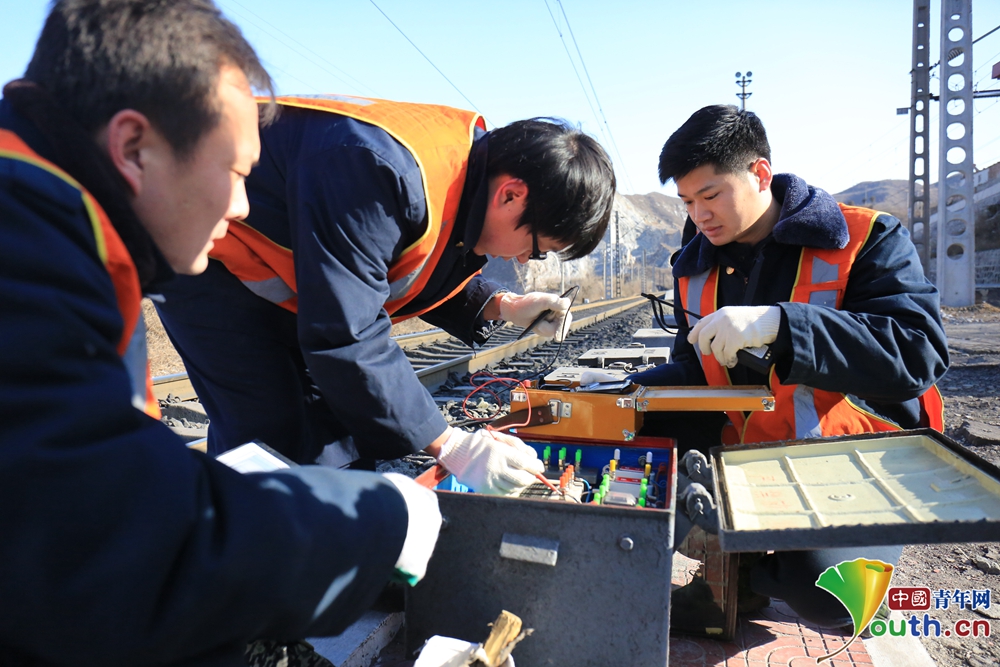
(901, 487)
(559, 406)
(688, 399)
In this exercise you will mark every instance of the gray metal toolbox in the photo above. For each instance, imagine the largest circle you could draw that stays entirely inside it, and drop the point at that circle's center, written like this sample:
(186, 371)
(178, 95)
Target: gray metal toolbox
(592, 581)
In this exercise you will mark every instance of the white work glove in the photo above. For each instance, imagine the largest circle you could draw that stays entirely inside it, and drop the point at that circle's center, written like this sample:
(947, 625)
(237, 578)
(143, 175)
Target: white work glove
(733, 328)
(522, 309)
(422, 527)
(490, 462)
(590, 377)
(441, 651)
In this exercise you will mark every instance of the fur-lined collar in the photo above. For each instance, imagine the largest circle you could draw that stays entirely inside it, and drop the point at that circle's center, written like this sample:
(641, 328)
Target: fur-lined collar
(809, 217)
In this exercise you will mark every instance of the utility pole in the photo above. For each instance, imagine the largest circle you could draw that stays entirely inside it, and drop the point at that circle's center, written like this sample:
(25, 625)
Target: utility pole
(956, 234)
(642, 283)
(618, 258)
(607, 276)
(919, 200)
(743, 82)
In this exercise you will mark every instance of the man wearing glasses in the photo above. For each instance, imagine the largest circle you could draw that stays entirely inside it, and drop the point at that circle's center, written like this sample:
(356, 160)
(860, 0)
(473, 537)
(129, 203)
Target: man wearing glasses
(363, 213)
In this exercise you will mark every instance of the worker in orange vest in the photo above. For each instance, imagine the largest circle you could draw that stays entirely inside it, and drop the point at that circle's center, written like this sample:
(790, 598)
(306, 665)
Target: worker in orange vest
(122, 157)
(834, 293)
(365, 212)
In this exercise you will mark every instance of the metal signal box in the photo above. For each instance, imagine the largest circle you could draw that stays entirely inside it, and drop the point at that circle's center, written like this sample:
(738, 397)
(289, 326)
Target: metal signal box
(591, 580)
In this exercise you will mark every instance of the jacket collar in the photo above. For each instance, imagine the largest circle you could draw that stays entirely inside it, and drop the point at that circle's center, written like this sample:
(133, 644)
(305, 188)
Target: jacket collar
(472, 207)
(809, 217)
(61, 140)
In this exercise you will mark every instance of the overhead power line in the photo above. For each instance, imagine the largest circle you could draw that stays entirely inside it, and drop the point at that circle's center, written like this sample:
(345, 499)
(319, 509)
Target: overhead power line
(572, 62)
(950, 55)
(303, 46)
(596, 98)
(427, 59)
(986, 34)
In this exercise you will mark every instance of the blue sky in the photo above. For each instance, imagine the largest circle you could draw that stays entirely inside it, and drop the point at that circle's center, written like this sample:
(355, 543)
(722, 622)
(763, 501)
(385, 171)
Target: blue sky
(827, 76)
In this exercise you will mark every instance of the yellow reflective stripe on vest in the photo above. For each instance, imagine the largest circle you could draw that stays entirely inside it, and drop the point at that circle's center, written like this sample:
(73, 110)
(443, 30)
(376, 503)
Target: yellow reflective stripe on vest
(134, 357)
(95, 223)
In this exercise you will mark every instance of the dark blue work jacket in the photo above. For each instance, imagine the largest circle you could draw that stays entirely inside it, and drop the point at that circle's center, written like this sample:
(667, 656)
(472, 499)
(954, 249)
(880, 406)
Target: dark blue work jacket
(347, 199)
(118, 545)
(884, 346)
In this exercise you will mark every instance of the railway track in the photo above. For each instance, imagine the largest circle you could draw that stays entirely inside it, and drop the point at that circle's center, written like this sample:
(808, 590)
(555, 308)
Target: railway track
(435, 355)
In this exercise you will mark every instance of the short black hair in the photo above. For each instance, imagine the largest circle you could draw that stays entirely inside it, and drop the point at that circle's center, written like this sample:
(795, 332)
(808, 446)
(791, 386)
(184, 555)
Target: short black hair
(159, 57)
(721, 135)
(571, 182)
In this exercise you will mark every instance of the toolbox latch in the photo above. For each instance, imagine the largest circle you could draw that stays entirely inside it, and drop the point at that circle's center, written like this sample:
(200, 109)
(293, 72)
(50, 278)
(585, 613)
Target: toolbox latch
(560, 409)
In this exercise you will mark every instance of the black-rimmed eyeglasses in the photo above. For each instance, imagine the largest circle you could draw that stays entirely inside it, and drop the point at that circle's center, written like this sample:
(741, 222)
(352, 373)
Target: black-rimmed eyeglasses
(535, 253)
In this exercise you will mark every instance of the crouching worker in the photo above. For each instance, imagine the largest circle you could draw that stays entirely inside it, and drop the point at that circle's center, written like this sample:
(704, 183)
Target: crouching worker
(363, 213)
(123, 153)
(837, 293)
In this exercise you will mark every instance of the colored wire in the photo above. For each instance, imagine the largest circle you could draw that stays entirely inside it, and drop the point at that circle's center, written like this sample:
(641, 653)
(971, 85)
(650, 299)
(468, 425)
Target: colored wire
(548, 366)
(487, 379)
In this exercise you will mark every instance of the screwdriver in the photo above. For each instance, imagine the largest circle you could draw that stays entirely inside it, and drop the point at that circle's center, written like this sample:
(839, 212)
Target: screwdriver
(544, 480)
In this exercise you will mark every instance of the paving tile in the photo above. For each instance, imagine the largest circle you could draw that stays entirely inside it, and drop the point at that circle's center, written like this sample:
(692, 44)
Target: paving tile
(802, 662)
(861, 658)
(778, 615)
(773, 637)
(784, 655)
(857, 647)
(685, 650)
(807, 631)
(754, 636)
(762, 651)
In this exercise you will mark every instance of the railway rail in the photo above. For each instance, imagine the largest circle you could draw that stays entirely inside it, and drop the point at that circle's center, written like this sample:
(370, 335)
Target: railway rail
(435, 354)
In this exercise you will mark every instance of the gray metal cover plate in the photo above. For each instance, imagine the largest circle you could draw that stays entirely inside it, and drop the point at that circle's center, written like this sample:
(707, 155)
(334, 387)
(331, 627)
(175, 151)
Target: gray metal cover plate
(605, 601)
(903, 487)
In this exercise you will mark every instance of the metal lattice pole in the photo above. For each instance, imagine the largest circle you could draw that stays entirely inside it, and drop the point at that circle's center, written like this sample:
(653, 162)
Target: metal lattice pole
(642, 282)
(956, 234)
(618, 258)
(607, 275)
(919, 200)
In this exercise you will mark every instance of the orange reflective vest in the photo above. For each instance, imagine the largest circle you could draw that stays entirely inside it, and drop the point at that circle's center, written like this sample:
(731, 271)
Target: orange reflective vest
(438, 137)
(116, 259)
(802, 412)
